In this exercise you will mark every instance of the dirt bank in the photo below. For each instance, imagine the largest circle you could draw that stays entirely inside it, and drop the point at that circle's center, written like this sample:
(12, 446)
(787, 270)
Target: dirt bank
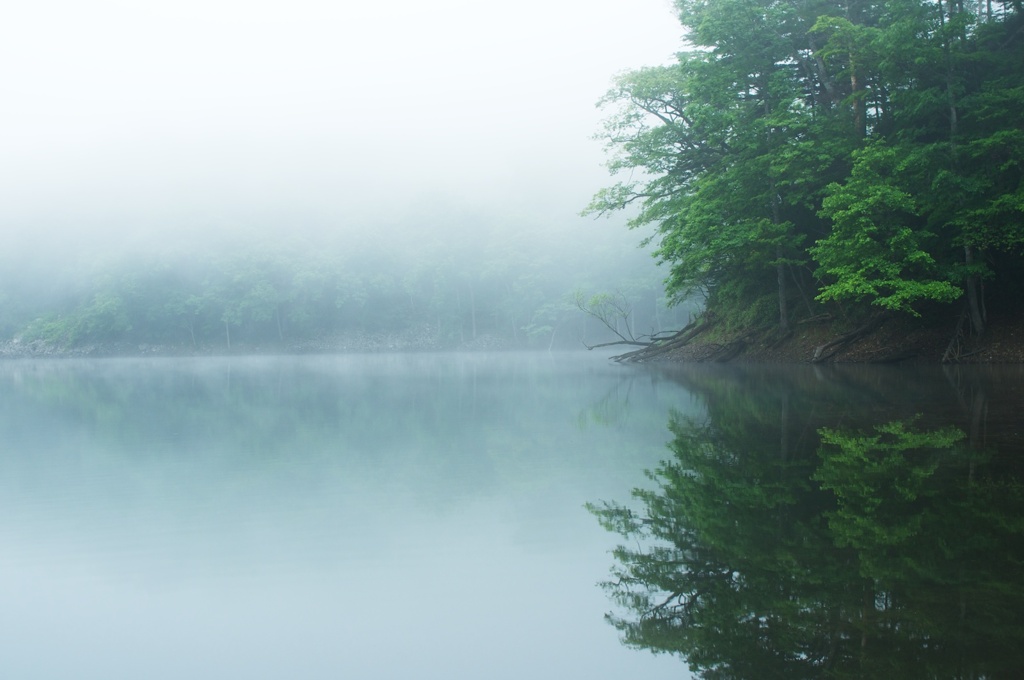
(892, 339)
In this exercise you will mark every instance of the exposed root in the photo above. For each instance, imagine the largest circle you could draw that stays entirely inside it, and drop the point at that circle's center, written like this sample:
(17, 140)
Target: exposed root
(830, 349)
(955, 348)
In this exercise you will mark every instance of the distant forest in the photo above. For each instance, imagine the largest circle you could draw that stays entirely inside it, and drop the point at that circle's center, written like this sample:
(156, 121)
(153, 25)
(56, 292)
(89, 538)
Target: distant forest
(452, 283)
(805, 158)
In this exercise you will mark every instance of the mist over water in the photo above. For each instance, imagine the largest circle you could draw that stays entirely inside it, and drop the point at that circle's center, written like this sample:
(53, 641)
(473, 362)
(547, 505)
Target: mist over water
(380, 516)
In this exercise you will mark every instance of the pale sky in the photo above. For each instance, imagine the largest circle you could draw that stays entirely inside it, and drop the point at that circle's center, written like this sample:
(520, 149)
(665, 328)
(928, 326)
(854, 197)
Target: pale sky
(148, 116)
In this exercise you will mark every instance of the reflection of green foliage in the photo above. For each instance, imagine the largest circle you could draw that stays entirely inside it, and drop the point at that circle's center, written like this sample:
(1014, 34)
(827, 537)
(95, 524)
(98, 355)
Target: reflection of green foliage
(723, 546)
(620, 404)
(612, 408)
(890, 554)
(881, 482)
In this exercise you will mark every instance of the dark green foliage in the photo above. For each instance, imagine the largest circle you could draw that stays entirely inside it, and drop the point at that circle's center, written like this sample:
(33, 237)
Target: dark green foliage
(878, 146)
(772, 546)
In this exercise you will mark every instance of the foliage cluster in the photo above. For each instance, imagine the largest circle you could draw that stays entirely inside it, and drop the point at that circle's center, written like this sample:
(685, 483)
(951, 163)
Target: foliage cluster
(856, 155)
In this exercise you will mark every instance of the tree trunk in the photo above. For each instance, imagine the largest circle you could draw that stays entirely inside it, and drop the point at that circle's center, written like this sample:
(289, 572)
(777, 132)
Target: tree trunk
(780, 268)
(860, 121)
(551, 342)
(974, 301)
(780, 272)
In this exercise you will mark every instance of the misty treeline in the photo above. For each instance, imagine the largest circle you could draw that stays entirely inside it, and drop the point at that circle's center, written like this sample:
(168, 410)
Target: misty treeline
(855, 158)
(428, 286)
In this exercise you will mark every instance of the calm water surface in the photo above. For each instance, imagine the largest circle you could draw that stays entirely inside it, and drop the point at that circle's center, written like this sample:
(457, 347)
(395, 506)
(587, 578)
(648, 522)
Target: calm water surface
(414, 516)
(422, 516)
(832, 522)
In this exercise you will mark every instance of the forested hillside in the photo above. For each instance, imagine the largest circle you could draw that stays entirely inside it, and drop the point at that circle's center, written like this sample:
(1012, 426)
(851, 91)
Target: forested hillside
(452, 281)
(816, 157)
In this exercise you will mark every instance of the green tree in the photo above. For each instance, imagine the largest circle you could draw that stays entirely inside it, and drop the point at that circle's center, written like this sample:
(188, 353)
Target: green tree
(877, 145)
(876, 249)
(724, 140)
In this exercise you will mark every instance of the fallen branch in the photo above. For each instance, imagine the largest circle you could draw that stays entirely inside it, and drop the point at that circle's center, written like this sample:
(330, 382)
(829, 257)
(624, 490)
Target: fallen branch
(673, 342)
(610, 310)
(618, 342)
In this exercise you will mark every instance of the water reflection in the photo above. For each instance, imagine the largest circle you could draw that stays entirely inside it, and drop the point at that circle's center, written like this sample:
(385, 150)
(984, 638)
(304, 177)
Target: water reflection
(847, 523)
(316, 517)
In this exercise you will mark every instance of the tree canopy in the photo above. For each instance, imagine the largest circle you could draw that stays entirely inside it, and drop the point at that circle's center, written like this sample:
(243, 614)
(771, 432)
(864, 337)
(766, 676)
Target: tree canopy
(807, 154)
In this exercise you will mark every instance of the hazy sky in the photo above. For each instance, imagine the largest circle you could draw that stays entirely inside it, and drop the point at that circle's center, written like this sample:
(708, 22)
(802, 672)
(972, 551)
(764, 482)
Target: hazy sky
(144, 116)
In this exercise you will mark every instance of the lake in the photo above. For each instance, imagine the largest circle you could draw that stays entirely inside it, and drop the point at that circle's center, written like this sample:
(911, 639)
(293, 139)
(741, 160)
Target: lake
(423, 515)
(365, 516)
(832, 521)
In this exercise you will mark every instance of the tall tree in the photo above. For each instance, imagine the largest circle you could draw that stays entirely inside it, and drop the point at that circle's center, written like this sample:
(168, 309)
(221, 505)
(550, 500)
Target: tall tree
(722, 137)
(878, 143)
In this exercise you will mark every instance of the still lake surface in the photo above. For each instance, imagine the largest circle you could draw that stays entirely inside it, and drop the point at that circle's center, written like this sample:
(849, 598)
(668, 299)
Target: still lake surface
(365, 516)
(397, 516)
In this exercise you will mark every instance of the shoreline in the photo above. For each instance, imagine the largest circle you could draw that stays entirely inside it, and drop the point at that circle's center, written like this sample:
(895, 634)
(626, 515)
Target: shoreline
(892, 340)
(889, 340)
(415, 340)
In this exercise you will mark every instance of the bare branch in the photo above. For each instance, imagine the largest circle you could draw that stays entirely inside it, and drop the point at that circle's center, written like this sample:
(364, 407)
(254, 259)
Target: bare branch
(610, 310)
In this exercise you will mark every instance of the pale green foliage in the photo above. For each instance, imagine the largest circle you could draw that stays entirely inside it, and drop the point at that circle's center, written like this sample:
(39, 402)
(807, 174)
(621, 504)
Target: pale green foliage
(875, 249)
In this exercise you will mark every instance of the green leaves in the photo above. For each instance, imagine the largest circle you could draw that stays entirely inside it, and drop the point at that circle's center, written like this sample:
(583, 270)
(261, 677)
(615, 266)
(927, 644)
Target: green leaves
(875, 250)
(879, 480)
(883, 142)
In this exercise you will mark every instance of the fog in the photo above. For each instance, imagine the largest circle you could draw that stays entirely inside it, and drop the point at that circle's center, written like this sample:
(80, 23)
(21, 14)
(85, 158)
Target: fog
(454, 140)
(125, 118)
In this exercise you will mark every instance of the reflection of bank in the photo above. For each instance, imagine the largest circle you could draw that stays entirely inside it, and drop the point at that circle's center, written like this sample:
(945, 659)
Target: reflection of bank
(829, 524)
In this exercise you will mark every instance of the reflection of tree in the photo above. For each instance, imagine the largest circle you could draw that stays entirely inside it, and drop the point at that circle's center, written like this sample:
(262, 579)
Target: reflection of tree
(939, 531)
(895, 553)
